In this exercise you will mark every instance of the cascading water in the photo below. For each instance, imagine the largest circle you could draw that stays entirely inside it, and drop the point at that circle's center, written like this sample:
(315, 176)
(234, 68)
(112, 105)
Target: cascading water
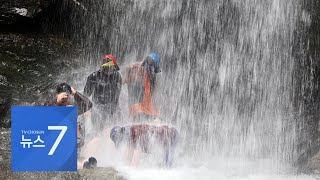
(227, 70)
(226, 83)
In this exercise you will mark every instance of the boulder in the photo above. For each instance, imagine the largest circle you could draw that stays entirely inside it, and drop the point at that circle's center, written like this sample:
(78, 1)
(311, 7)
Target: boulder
(92, 174)
(18, 13)
(100, 173)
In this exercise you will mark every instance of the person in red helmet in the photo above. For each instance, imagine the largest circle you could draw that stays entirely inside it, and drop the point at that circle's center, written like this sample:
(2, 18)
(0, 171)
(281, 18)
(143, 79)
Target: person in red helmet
(141, 80)
(104, 86)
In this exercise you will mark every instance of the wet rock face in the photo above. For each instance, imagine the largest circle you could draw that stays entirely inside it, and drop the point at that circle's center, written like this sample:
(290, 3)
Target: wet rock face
(29, 67)
(5, 152)
(307, 94)
(27, 8)
(5, 101)
(3, 80)
(18, 13)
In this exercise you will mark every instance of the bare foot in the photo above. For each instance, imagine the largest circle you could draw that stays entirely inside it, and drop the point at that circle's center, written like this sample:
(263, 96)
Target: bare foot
(80, 162)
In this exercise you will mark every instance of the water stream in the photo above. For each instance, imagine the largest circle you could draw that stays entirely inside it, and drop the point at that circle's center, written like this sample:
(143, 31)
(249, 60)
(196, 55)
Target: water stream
(226, 83)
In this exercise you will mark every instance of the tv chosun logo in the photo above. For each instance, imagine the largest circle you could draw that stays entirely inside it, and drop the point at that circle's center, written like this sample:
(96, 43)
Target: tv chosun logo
(44, 138)
(38, 143)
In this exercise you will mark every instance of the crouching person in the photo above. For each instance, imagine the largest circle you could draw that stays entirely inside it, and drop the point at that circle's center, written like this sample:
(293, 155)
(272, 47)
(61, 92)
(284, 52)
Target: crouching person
(63, 95)
(141, 138)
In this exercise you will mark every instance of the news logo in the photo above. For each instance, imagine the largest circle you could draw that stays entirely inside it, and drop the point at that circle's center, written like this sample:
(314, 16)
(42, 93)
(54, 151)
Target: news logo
(44, 138)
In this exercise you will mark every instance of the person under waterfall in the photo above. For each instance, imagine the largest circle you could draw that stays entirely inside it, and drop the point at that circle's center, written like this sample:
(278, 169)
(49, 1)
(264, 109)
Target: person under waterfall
(141, 79)
(104, 86)
(144, 138)
(63, 95)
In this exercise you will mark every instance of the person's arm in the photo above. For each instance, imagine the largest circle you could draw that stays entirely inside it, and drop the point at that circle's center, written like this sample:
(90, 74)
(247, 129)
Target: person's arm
(57, 100)
(88, 88)
(83, 103)
(152, 83)
(118, 87)
(129, 154)
(126, 75)
(135, 157)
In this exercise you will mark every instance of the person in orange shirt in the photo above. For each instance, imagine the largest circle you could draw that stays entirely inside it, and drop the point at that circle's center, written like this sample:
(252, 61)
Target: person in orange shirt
(141, 79)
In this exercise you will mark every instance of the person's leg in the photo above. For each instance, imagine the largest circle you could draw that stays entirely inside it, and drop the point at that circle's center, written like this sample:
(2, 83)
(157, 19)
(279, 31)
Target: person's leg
(112, 117)
(80, 162)
(170, 148)
(95, 123)
(91, 147)
(168, 157)
(86, 153)
(79, 150)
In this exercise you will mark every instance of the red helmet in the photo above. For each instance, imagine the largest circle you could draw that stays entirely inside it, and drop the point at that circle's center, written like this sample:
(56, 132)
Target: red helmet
(109, 60)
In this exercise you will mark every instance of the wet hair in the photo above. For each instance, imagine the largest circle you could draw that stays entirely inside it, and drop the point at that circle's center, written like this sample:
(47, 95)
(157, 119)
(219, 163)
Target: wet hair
(63, 87)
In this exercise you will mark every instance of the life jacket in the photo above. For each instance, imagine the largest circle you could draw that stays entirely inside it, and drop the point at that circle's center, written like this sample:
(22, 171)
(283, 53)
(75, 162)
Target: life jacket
(139, 79)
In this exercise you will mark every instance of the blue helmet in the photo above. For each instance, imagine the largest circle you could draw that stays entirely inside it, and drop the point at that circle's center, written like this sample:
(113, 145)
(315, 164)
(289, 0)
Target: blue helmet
(155, 58)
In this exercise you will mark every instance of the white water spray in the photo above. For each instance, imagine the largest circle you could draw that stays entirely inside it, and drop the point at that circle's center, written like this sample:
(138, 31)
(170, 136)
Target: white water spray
(226, 83)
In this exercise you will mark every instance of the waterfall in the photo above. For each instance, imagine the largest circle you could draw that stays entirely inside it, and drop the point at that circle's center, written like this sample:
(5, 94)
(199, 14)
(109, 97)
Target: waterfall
(227, 69)
(228, 80)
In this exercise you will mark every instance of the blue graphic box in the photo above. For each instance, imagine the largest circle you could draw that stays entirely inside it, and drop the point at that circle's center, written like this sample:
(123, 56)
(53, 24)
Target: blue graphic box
(44, 138)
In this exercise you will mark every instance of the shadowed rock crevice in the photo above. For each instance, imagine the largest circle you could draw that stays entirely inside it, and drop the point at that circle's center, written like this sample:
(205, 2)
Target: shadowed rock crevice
(307, 94)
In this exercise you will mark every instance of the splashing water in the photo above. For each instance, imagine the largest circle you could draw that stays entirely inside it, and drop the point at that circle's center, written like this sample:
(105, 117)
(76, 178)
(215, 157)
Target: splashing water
(205, 173)
(226, 83)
